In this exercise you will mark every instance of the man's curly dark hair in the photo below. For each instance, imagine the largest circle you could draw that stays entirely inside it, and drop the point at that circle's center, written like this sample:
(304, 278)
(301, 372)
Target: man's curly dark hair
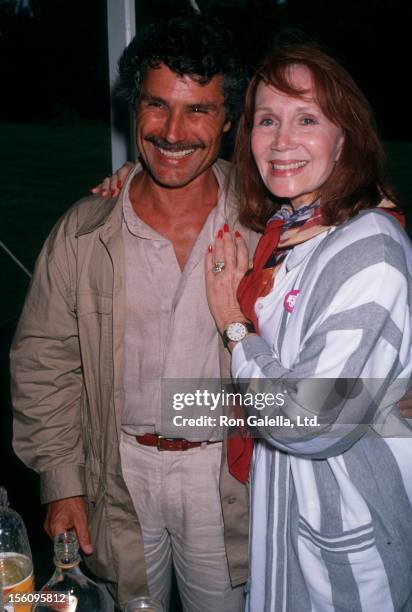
(197, 46)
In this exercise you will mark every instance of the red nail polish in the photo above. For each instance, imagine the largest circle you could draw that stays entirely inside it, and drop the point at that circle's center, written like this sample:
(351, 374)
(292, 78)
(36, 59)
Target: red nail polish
(210, 248)
(237, 234)
(220, 234)
(225, 227)
(119, 184)
(113, 191)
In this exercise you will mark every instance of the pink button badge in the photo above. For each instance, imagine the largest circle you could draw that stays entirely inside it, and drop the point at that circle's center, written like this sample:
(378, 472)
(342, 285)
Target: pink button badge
(290, 300)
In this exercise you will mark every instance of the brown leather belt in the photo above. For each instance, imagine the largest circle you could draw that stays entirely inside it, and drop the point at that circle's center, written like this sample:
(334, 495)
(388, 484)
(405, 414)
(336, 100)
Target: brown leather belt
(170, 444)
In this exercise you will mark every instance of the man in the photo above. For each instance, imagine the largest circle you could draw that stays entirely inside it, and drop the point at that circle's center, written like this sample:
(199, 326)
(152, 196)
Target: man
(117, 303)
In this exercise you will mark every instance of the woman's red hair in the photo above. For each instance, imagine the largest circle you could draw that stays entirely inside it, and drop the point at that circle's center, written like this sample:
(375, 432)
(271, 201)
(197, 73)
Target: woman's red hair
(357, 181)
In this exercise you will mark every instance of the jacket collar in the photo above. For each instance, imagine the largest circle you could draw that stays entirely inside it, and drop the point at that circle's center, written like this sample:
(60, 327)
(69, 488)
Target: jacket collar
(97, 217)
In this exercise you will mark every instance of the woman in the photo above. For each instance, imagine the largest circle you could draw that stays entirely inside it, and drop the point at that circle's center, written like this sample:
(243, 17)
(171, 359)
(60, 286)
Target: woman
(329, 296)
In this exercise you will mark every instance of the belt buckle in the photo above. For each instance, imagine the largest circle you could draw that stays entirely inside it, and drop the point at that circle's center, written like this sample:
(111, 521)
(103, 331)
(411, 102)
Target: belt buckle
(159, 438)
(182, 440)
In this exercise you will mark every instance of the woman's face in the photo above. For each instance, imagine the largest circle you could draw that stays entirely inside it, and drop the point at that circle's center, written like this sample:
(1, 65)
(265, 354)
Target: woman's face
(294, 144)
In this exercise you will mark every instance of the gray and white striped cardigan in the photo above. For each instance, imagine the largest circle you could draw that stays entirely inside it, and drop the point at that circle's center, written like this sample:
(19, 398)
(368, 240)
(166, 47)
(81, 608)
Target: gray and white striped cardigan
(331, 521)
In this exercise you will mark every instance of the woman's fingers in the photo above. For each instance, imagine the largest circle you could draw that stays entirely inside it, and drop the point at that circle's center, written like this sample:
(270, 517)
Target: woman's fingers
(103, 188)
(236, 254)
(221, 285)
(229, 248)
(111, 185)
(219, 248)
(123, 172)
(209, 261)
(242, 253)
(118, 178)
(232, 250)
(115, 185)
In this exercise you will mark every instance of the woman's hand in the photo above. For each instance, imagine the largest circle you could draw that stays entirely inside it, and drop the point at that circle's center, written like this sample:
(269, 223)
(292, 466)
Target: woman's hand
(112, 184)
(221, 287)
(405, 405)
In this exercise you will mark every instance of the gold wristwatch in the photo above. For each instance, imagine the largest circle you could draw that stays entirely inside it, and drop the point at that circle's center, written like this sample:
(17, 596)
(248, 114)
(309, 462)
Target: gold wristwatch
(237, 331)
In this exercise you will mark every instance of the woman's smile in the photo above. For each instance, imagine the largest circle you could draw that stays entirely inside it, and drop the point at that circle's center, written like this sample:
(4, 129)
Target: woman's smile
(287, 167)
(294, 144)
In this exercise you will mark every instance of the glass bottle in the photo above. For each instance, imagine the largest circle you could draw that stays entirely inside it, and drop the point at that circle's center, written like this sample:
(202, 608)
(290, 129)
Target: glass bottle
(82, 594)
(143, 603)
(16, 566)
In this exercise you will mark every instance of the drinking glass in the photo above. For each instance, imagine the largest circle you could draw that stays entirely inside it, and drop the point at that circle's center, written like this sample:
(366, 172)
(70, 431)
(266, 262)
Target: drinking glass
(143, 603)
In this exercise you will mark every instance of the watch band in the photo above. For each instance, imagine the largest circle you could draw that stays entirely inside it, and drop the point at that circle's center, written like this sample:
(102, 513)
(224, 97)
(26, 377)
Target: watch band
(249, 327)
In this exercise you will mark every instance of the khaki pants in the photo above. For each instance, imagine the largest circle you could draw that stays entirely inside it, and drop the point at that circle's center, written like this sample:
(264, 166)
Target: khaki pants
(176, 497)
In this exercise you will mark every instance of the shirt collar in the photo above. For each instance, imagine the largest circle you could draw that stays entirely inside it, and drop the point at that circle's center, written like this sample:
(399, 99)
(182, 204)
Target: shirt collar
(138, 227)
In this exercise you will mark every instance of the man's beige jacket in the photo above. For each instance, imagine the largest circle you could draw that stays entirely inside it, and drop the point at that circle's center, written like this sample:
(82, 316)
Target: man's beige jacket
(67, 372)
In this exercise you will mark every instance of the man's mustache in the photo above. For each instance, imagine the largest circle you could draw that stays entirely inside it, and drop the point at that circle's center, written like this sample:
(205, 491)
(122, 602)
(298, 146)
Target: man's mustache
(174, 147)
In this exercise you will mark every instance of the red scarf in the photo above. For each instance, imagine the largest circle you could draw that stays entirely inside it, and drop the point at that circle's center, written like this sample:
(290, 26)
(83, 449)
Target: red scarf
(252, 284)
(255, 283)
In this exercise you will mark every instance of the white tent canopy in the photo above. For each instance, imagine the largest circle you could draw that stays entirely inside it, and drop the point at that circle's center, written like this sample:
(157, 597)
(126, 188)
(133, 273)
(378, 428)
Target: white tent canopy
(121, 28)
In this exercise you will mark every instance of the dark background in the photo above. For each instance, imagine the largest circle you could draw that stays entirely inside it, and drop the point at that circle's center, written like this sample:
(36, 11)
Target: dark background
(54, 131)
(53, 58)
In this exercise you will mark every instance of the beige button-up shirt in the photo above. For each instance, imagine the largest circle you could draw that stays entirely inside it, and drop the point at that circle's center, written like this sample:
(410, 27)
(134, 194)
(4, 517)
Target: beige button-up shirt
(171, 341)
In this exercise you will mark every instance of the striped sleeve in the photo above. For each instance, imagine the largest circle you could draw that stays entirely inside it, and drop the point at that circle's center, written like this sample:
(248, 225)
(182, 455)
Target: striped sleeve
(353, 358)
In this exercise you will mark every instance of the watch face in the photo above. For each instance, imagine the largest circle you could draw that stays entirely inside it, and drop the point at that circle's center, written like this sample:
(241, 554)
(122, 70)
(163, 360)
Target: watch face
(236, 331)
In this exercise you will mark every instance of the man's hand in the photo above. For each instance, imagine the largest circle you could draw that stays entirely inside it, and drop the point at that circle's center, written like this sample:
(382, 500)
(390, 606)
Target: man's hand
(69, 513)
(405, 405)
(112, 184)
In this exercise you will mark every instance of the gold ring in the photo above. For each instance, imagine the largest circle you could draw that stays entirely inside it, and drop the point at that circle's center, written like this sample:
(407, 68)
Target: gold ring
(218, 267)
